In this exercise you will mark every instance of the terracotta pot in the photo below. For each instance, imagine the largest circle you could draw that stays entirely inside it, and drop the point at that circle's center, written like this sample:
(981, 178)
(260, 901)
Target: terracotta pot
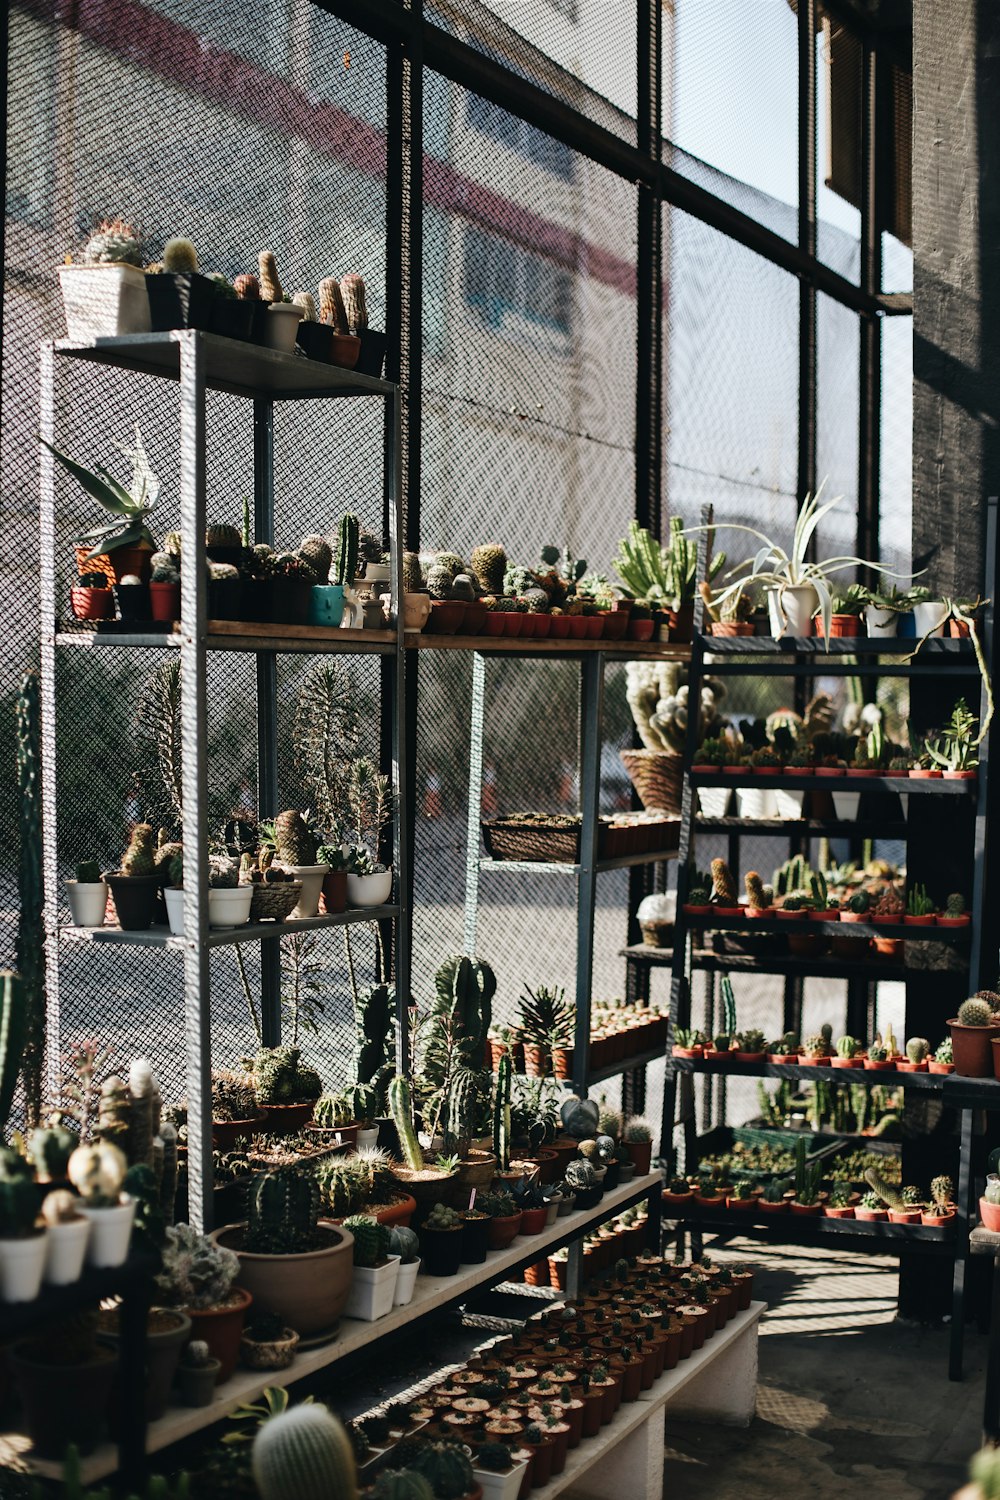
(287, 1119)
(221, 1329)
(870, 1215)
(165, 601)
(935, 1218)
(334, 893)
(400, 1212)
(92, 604)
(732, 627)
(640, 630)
(307, 1291)
(126, 560)
(446, 617)
(503, 1231)
(641, 1153)
(989, 1216)
(972, 1049)
(225, 1133)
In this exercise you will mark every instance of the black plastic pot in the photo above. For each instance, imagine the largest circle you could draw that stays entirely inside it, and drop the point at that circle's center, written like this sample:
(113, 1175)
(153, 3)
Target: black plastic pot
(611, 1175)
(316, 339)
(475, 1240)
(290, 601)
(441, 1251)
(225, 597)
(63, 1404)
(133, 601)
(255, 603)
(589, 1197)
(372, 356)
(232, 317)
(181, 299)
(163, 1352)
(135, 899)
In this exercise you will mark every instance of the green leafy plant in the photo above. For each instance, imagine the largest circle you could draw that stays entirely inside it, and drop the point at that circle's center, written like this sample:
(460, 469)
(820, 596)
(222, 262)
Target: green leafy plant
(130, 507)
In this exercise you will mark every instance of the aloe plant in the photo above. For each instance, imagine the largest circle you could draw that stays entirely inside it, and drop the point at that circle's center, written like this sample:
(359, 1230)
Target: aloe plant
(129, 507)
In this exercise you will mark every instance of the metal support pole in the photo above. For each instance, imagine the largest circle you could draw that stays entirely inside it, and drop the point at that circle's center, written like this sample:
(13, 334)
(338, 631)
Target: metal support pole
(47, 702)
(807, 244)
(194, 725)
(477, 719)
(870, 368)
(267, 705)
(395, 697)
(132, 1416)
(591, 723)
(963, 1209)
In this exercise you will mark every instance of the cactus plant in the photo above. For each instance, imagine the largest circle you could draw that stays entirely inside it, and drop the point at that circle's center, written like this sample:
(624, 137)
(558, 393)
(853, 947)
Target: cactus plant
(975, 1012)
(294, 841)
(942, 1191)
(447, 1469)
(886, 1192)
(860, 903)
(317, 552)
(18, 1198)
(304, 1453)
(401, 1108)
(282, 1209)
(759, 895)
(917, 1049)
(179, 256)
(403, 1242)
(113, 243)
(371, 1239)
(439, 581)
(847, 1046)
(352, 289)
(413, 573)
(49, 1150)
(270, 286)
(723, 884)
(345, 561)
(30, 1003)
(97, 1172)
(728, 1005)
(373, 1050)
(954, 905)
(405, 1484)
(501, 1114)
(13, 1031)
(138, 859)
(489, 564)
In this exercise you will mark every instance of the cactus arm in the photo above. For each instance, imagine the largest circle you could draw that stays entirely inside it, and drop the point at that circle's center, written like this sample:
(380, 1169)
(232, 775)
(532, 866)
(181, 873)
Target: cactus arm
(501, 1114)
(347, 549)
(728, 1006)
(401, 1109)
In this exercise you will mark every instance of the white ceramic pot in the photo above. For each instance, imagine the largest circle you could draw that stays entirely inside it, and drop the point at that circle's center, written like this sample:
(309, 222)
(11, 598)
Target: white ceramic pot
(175, 909)
(87, 902)
(229, 906)
(754, 802)
(405, 1282)
(416, 611)
(930, 618)
(714, 800)
(369, 890)
(367, 1137)
(881, 622)
(66, 1248)
(372, 1291)
(845, 805)
(110, 1232)
(312, 877)
(791, 609)
(501, 1486)
(22, 1262)
(104, 301)
(788, 804)
(281, 326)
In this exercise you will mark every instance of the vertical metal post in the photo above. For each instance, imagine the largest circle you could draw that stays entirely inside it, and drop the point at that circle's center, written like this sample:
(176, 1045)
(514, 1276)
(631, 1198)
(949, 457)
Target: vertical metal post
(870, 368)
(132, 1379)
(47, 700)
(396, 698)
(477, 719)
(649, 279)
(963, 1206)
(591, 735)
(983, 955)
(194, 725)
(807, 243)
(267, 704)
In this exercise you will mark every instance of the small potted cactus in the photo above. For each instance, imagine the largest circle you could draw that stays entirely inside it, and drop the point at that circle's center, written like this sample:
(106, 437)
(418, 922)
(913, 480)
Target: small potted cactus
(497, 1471)
(66, 1241)
(228, 900)
(98, 1172)
(164, 588)
(942, 1059)
(373, 344)
(134, 887)
(267, 1343)
(972, 1032)
(22, 1240)
(915, 1061)
(505, 1218)
(282, 323)
(179, 295)
(849, 1053)
(638, 1142)
(107, 294)
(940, 1211)
(441, 1241)
(92, 598)
(197, 1374)
(954, 913)
(404, 1243)
(839, 1204)
(197, 1275)
(296, 849)
(376, 1269)
(88, 895)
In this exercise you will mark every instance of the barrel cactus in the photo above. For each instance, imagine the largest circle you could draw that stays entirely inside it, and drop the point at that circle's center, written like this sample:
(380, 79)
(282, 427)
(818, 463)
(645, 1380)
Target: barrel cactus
(401, 1484)
(489, 564)
(282, 1210)
(179, 255)
(447, 1469)
(371, 1239)
(294, 840)
(974, 1012)
(304, 1454)
(114, 243)
(317, 552)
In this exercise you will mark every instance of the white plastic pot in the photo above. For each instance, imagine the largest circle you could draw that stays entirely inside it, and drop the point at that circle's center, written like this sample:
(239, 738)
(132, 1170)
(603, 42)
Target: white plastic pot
(845, 805)
(501, 1486)
(405, 1282)
(175, 909)
(110, 1232)
(714, 800)
(367, 1137)
(369, 890)
(229, 906)
(22, 1262)
(104, 301)
(372, 1291)
(87, 902)
(930, 618)
(312, 877)
(66, 1248)
(790, 609)
(281, 326)
(881, 622)
(788, 804)
(752, 802)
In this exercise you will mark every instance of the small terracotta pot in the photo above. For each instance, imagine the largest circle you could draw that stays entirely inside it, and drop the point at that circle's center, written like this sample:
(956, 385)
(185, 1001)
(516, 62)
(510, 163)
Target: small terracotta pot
(334, 895)
(92, 604)
(221, 1329)
(989, 1216)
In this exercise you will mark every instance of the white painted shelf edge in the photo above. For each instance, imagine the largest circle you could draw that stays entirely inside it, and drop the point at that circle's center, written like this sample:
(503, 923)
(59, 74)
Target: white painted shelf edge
(430, 1293)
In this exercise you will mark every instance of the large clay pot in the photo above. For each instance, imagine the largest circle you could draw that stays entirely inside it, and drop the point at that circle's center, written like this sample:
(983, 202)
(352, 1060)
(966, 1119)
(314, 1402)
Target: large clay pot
(473, 1173)
(307, 1291)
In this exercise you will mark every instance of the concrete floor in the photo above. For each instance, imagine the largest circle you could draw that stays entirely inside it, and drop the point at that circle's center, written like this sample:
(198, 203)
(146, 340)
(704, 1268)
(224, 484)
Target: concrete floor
(849, 1402)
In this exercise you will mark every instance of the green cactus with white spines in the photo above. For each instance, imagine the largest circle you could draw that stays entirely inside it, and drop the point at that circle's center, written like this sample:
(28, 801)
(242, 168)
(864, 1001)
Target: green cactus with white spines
(447, 1469)
(282, 1210)
(371, 1239)
(847, 1046)
(489, 564)
(917, 1049)
(304, 1453)
(333, 1111)
(401, 1109)
(501, 1114)
(975, 1012)
(139, 858)
(340, 1186)
(317, 552)
(345, 557)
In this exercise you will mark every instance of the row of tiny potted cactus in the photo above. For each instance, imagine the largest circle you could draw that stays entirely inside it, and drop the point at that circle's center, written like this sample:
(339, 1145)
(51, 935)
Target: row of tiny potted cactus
(817, 1050)
(714, 894)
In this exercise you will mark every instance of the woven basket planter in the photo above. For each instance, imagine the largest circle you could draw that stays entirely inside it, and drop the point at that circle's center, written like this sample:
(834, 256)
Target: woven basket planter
(272, 903)
(507, 839)
(657, 776)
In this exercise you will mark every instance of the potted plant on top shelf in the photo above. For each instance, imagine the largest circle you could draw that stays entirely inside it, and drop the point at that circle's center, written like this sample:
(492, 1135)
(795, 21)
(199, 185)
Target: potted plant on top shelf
(955, 751)
(88, 895)
(295, 843)
(124, 544)
(665, 576)
(733, 615)
(106, 296)
(134, 887)
(847, 607)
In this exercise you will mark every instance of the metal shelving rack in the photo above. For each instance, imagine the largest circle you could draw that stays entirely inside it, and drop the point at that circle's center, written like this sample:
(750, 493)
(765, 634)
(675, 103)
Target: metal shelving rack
(201, 362)
(755, 657)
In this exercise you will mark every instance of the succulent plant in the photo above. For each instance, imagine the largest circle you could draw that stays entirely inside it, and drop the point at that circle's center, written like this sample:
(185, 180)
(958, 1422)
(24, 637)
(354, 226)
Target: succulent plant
(442, 1217)
(352, 289)
(282, 1212)
(345, 559)
(847, 1046)
(294, 841)
(196, 1355)
(270, 286)
(489, 564)
(942, 1191)
(137, 860)
(439, 582)
(723, 884)
(317, 552)
(413, 573)
(917, 1049)
(179, 255)
(114, 243)
(18, 1198)
(954, 905)
(403, 1484)
(371, 1239)
(195, 1272)
(447, 1469)
(403, 1242)
(759, 895)
(943, 1051)
(247, 287)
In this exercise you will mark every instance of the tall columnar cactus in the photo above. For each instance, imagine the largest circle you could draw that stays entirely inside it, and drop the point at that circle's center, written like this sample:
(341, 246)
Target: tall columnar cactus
(820, 893)
(723, 883)
(304, 1454)
(464, 990)
(373, 1061)
(168, 1174)
(13, 1032)
(143, 1092)
(489, 564)
(758, 894)
(18, 1198)
(345, 562)
(401, 1109)
(501, 1114)
(139, 858)
(331, 305)
(728, 1006)
(282, 1210)
(30, 947)
(413, 573)
(270, 286)
(352, 289)
(114, 1112)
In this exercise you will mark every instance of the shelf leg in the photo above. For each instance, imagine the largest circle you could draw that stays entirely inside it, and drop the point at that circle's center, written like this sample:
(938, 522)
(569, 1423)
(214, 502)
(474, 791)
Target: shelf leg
(725, 1392)
(633, 1467)
(267, 705)
(477, 719)
(591, 733)
(991, 1396)
(962, 1207)
(47, 702)
(132, 1439)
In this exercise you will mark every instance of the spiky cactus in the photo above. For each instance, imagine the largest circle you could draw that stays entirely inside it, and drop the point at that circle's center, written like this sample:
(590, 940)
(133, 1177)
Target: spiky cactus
(139, 859)
(18, 1198)
(954, 906)
(333, 1111)
(371, 1239)
(97, 1172)
(728, 1005)
(464, 587)
(13, 1032)
(247, 287)
(168, 1172)
(304, 1453)
(439, 582)
(501, 1114)
(345, 561)
(890, 1195)
(144, 1094)
(114, 243)
(352, 289)
(179, 255)
(405, 1484)
(317, 552)
(114, 1112)
(294, 841)
(447, 1469)
(30, 944)
(282, 1210)
(306, 303)
(758, 894)
(974, 1012)
(270, 286)
(340, 1186)
(820, 892)
(942, 1191)
(917, 1049)
(373, 1049)
(489, 564)
(401, 1108)
(847, 1046)
(723, 884)
(331, 305)
(49, 1150)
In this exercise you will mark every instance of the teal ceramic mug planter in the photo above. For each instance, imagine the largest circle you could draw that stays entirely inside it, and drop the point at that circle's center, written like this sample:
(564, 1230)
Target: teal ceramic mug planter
(328, 603)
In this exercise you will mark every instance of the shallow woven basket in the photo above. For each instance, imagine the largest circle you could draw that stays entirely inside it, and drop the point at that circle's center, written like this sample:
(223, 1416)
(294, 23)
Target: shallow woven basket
(534, 842)
(272, 903)
(657, 777)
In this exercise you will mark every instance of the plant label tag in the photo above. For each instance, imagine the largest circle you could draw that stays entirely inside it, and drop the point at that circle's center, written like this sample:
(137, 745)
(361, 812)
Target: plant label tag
(337, 1138)
(472, 1200)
